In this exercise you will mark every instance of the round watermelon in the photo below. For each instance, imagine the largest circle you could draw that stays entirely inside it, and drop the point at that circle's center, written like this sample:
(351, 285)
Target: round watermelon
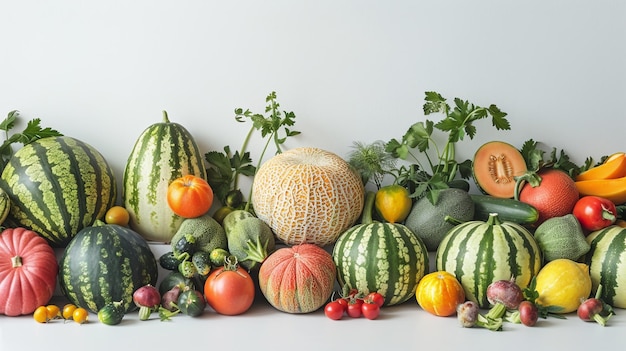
(57, 186)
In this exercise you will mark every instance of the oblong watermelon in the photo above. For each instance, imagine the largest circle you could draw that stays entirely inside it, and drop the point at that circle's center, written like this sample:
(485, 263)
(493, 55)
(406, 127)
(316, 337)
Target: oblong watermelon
(58, 186)
(164, 152)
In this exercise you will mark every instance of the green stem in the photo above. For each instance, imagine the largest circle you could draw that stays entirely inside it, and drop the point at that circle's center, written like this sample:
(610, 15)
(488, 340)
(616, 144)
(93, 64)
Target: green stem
(165, 118)
(256, 251)
(247, 207)
(497, 311)
(366, 216)
(246, 141)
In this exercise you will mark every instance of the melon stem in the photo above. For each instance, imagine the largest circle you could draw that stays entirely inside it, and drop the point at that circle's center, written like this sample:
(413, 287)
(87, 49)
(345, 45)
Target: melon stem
(368, 206)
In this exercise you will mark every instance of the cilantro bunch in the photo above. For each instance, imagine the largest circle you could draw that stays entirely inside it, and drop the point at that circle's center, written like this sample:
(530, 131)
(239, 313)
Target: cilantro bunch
(440, 168)
(32, 132)
(226, 167)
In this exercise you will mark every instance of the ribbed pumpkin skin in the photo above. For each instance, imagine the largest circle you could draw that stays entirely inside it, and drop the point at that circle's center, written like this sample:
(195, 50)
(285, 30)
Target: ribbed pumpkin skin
(31, 284)
(58, 186)
(478, 253)
(307, 195)
(106, 263)
(298, 279)
(384, 257)
(163, 152)
(607, 264)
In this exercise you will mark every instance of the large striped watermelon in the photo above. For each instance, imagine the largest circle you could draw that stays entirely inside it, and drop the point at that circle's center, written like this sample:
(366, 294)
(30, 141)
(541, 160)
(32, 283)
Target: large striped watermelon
(163, 152)
(478, 253)
(58, 186)
(106, 263)
(607, 264)
(380, 256)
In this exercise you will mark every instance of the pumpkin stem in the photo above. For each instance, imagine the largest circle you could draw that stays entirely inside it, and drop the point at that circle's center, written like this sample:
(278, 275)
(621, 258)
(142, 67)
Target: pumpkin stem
(256, 252)
(16, 261)
(366, 216)
(494, 219)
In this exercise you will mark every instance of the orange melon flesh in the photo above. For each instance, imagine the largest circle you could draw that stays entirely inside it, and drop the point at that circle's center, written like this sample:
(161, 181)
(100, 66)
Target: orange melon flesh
(495, 166)
(614, 167)
(612, 189)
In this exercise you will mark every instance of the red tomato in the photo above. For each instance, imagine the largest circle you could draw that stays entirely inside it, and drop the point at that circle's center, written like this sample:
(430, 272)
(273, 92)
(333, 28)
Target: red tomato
(354, 308)
(376, 298)
(189, 196)
(343, 302)
(334, 310)
(229, 290)
(594, 212)
(370, 310)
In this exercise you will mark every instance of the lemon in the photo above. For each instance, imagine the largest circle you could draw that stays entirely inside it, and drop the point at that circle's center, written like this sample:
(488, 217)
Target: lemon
(563, 284)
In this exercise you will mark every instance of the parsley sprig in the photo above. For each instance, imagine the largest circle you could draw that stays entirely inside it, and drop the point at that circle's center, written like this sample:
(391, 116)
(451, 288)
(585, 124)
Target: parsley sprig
(32, 132)
(226, 167)
(442, 167)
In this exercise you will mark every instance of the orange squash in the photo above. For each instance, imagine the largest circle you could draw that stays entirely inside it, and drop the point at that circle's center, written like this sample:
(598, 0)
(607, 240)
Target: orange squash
(439, 293)
(495, 166)
(307, 195)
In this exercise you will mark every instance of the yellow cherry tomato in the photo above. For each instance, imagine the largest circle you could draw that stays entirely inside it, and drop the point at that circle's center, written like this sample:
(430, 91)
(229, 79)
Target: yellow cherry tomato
(41, 314)
(68, 311)
(393, 203)
(80, 315)
(54, 312)
(117, 215)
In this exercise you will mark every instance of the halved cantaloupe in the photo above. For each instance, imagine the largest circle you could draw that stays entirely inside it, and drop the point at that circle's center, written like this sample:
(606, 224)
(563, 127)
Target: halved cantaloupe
(495, 166)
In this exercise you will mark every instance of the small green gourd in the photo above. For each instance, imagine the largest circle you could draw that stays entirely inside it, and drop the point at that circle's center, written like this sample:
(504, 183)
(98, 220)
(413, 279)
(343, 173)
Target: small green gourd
(561, 237)
(250, 239)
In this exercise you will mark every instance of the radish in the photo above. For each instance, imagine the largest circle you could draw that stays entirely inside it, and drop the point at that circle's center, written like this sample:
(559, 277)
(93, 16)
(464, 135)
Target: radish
(595, 310)
(469, 316)
(528, 313)
(148, 299)
(503, 294)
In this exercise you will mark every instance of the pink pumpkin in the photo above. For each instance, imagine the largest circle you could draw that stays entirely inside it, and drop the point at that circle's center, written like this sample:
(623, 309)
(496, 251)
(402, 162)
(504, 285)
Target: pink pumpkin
(28, 271)
(298, 279)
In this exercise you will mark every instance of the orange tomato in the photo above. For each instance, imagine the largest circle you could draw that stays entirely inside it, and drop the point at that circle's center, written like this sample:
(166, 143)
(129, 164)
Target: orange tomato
(189, 196)
(117, 215)
(439, 293)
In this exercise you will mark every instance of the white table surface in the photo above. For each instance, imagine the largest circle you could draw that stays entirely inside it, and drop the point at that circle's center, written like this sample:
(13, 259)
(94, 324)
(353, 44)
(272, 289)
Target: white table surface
(263, 327)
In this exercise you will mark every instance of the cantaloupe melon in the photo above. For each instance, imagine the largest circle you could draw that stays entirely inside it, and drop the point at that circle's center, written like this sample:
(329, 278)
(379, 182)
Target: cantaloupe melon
(307, 195)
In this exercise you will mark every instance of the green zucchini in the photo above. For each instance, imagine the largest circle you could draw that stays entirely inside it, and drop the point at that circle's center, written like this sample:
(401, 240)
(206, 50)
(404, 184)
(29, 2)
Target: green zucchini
(507, 209)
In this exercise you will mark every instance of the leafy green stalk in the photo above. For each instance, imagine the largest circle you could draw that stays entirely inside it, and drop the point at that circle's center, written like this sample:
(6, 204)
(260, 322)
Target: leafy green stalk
(226, 167)
(372, 162)
(443, 168)
(32, 132)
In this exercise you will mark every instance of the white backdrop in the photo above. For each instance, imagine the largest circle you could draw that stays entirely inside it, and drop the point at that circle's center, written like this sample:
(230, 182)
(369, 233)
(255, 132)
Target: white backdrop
(102, 71)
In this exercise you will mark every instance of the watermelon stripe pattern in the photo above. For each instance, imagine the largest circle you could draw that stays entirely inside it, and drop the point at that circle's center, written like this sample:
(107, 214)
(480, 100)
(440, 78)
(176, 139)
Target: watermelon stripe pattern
(106, 263)
(478, 253)
(384, 257)
(607, 264)
(162, 153)
(58, 186)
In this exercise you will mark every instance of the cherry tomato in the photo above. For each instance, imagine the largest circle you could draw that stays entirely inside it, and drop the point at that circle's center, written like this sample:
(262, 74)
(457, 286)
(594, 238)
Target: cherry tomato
(354, 308)
(189, 196)
(41, 314)
(80, 315)
(68, 311)
(376, 298)
(54, 312)
(117, 215)
(229, 290)
(343, 302)
(594, 212)
(334, 310)
(370, 310)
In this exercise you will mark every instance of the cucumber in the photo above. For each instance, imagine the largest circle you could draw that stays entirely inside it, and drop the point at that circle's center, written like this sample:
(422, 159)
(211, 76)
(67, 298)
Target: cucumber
(510, 210)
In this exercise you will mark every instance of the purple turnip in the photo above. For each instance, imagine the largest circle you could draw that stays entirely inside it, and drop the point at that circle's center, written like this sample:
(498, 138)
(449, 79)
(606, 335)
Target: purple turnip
(502, 295)
(469, 316)
(595, 310)
(148, 299)
(169, 298)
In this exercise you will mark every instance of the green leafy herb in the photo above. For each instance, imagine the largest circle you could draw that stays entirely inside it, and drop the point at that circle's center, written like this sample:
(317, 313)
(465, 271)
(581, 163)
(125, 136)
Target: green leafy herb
(536, 161)
(32, 132)
(225, 168)
(372, 161)
(442, 167)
